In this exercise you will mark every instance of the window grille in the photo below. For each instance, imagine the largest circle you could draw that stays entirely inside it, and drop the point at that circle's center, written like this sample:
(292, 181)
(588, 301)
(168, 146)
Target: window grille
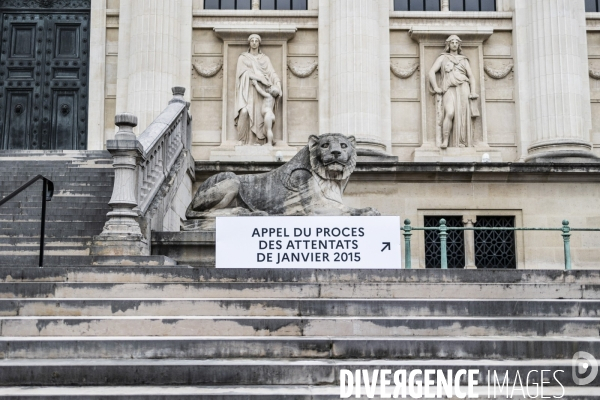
(416, 5)
(592, 5)
(227, 4)
(264, 4)
(455, 242)
(472, 5)
(455, 5)
(283, 4)
(495, 249)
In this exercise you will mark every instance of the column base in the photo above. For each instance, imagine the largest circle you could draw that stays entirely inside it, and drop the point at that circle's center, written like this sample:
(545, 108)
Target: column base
(120, 245)
(562, 151)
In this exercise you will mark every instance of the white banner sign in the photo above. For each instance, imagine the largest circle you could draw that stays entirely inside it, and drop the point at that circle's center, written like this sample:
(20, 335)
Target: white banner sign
(308, 242)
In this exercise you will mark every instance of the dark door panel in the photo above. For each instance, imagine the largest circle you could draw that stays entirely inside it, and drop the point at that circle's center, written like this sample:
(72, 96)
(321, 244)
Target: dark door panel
(64, 120)
(45, 55)
(18, 116)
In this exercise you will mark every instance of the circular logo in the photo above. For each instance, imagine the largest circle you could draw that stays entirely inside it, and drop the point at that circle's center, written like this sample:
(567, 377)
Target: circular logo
(585, 368)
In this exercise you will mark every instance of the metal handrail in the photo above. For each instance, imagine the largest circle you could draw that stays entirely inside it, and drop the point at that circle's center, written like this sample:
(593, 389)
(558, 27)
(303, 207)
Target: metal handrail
(443, 229)
(47, 192)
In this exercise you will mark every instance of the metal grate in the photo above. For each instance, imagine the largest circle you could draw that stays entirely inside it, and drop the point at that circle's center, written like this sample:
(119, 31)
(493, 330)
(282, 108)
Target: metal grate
(455, 243)
(495, 249)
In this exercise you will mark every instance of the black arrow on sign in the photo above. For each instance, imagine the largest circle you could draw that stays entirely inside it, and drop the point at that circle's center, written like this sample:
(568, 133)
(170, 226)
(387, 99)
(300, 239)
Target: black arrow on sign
(387, 246)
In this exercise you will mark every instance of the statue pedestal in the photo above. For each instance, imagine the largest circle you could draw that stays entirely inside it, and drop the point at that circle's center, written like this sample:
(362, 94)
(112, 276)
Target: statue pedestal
(456, 154)
(253, 153)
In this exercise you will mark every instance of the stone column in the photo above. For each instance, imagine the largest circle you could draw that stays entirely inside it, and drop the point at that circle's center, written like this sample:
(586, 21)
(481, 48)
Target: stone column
(154, 55)
(553, 83)
(355, 85)
(469, 222)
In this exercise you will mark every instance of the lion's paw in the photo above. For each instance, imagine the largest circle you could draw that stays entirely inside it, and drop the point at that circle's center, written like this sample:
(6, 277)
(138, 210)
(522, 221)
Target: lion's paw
(365, 212)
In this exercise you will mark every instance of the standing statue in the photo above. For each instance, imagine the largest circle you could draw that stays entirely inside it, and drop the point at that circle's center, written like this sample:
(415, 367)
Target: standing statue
(257, 89)
(454, 89)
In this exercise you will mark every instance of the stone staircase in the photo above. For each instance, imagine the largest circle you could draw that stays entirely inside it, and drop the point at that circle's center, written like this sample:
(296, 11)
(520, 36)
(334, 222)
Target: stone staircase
(83, 186)
(185, 332)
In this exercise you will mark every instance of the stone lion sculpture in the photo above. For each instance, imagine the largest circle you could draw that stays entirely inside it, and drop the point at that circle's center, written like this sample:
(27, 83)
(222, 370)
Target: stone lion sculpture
(311, 183)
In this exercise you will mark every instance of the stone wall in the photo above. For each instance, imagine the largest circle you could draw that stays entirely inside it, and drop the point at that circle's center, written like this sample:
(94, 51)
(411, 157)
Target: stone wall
(309, 100)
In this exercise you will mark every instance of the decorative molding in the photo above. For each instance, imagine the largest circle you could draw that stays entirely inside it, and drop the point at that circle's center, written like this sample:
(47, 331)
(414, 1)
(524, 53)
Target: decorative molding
(303, 72)
(595, 74)
(208, 72)
(271, 32)
(404, 73)
(47, 4)
(439, 34)
(498, 73)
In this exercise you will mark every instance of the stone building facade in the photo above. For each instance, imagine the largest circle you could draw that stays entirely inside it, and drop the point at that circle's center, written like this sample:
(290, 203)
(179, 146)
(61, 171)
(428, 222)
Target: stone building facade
(361, 68)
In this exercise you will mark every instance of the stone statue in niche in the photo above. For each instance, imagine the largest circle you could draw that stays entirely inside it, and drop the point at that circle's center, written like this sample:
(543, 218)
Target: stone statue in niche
(257, 91)
(311, 183)
(453, 84)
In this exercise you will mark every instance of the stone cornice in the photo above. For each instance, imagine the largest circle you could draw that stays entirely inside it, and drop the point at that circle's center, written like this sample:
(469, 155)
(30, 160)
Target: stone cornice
(432, 172)
(436, 34)
(266, 32)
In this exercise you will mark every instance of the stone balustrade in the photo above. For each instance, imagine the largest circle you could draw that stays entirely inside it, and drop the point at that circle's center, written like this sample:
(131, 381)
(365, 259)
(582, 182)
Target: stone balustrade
(141, 166)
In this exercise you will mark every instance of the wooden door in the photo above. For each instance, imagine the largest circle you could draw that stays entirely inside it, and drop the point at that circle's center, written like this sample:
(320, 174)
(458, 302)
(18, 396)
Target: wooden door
(43, 78)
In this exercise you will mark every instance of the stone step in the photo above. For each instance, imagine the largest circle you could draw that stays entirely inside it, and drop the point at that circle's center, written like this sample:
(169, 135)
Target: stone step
(26, 242)
(298, 290)
(197, 347)
(300, 307)
(236, 372)
(77, 271)
(298, 326)
(250, 392)
(26, 262)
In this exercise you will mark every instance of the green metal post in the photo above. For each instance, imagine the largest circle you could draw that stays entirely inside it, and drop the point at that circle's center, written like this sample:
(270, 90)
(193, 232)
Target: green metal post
(566, 234)
(407, 235)
(443, 236)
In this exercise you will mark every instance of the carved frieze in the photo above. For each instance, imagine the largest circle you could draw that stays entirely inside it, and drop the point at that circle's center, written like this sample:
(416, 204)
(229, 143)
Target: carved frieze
(498, 73)
(595, 74)
(208, 71)
(302, 71)
(404, 73)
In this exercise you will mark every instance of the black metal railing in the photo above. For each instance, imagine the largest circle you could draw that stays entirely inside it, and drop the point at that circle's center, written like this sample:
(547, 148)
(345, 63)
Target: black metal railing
(47, 192)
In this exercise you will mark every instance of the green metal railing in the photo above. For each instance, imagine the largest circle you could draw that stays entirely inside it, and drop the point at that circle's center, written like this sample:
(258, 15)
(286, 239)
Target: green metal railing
(443, 232)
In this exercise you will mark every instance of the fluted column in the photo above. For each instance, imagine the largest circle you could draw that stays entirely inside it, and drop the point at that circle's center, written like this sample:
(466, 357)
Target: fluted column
(154, 55)
(552, 73)
(354, 38)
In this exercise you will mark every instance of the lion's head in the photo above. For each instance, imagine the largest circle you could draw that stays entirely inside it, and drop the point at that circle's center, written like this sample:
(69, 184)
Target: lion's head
(332, 155)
